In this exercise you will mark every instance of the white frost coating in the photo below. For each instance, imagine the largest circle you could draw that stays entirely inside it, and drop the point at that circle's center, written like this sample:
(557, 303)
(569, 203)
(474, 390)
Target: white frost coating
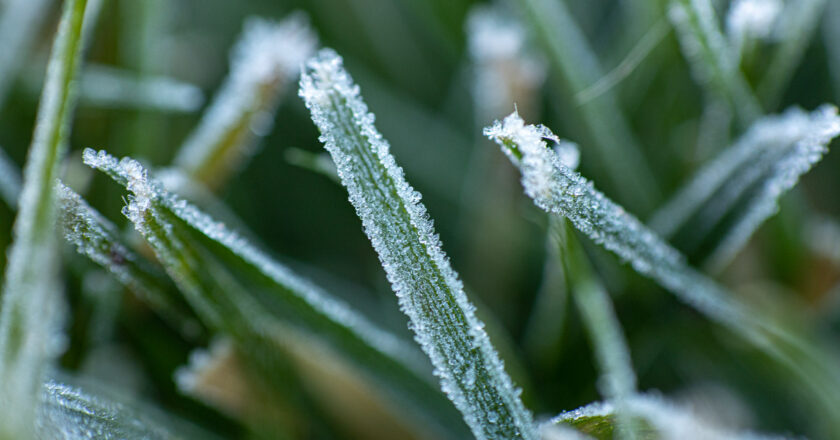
(9, 180)
(263, 62)
(132, 174)
(752, 18)
(820, 127)
(68, 412)
(559, 190)
(773, 153)
(708, 52)
(506, 71)
(669, 420)
(427, 288)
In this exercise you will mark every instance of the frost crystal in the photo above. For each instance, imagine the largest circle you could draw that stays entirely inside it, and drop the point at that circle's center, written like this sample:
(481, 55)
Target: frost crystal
(264, 61)
(766, 162)
(557, 189)
(427, 288)
(506, 72)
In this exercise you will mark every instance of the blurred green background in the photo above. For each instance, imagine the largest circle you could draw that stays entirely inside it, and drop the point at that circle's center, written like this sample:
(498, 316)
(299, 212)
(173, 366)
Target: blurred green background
(410, 58)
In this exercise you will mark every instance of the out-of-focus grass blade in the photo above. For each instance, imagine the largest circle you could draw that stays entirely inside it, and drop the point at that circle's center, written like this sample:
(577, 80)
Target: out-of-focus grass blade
(708, 52)
(264, 62)
(656, 418)
(618, 380)
(74, 409)
(111, 87)
(714, 215)
(572, 59)
(427, 288)
(273, 311)
(748, 21)
(20, 22)
(558, 190)
(796, 26)
(31, 315)
(10, 181)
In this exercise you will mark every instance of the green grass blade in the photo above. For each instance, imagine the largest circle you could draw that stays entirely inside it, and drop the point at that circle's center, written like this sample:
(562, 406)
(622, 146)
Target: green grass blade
(98, 239)
(717, 211)
(427, 288)
(618, 380)
(798, 22)
(265, 304)
(558, 190)
(656, 417)
(708, 52)
(30, 319)
(74, 409)
(264, 62)
(571, 58)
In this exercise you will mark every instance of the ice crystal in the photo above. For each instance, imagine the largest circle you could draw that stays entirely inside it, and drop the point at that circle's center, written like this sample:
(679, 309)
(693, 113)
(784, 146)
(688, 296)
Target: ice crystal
(428, 289)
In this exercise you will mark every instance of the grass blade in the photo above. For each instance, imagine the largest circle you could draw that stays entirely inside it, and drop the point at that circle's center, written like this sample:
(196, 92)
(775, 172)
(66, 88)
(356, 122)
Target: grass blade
(30, 318)
(713, 65)
(574, 61)
(277, 310)
(74, 409)
(20, 22)
(427, 288)
(558, 190)
(714, 215)
(797, 25)
(264, 62)
(96, 238)
(618, 380)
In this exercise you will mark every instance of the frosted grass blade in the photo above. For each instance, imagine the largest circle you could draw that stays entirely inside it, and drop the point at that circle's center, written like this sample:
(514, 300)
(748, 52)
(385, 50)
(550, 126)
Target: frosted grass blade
(558, 190)
(74, 409)
(795, 28)
(237, 289)
(574, 61)
(618, 380)
(708, 53)
(31, 315)
(10, 181)
(659, 419)
(732, 195)
(427, 288)
(264, 62)
(748, 21)
(98, 239)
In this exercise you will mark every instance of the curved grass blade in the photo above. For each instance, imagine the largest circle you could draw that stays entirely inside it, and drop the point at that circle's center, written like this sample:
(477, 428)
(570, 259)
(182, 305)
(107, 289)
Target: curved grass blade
(264, 62)
(713, 216)
(10, 181)
(558, 190)
(575, 62)
(427, 288)
(239, 290)
(707, 51)
(73, 409)
(31, 315)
